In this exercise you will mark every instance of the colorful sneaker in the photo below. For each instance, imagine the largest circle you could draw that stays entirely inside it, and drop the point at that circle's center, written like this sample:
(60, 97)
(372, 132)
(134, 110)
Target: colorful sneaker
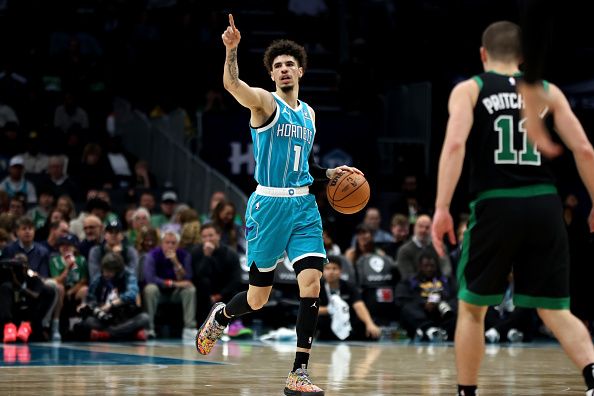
(238, 330)
(210, 331)
(24, 331)
(98, 335)
(299, 384)
(10, 332)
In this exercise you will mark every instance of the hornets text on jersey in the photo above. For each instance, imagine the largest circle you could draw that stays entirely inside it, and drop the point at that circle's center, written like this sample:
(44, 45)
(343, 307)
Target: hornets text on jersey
(282, 146)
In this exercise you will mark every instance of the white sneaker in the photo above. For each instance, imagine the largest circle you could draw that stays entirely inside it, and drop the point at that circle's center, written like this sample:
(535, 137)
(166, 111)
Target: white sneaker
(436, 334)
(189, 334)
(492, 336)
(151, 334)
(514, 335)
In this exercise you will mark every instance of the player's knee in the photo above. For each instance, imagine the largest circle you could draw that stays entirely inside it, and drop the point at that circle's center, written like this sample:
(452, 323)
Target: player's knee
(256, 301)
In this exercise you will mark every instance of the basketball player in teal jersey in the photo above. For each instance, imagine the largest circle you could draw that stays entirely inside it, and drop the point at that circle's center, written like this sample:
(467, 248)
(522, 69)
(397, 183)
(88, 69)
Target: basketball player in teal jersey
(516, 221)
(281, 215)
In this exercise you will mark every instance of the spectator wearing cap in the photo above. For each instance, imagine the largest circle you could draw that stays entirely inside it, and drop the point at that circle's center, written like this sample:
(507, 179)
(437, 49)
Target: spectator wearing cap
(70, 272)
(114, 242)
(16, 182)
(41, 211)
(168, 204)
(93, 231)
(168, 274)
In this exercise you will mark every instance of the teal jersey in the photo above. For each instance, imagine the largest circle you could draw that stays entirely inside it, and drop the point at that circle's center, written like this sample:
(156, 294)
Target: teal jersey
(282, 146)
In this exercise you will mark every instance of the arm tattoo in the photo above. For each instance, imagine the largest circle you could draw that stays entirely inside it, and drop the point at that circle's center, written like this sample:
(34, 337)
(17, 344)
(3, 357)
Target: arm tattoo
(232, 66)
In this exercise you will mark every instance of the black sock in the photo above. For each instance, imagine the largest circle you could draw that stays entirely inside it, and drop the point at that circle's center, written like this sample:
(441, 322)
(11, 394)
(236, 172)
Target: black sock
(467, 390)
(301, 358)
(588, 373)
(307, 319)
(236, 307)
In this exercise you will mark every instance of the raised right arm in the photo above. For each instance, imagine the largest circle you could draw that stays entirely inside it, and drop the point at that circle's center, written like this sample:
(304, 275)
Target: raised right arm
(255, 99)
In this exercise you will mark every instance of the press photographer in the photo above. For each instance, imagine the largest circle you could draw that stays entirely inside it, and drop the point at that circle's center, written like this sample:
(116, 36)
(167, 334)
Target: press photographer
(110, 310)
(24, 300)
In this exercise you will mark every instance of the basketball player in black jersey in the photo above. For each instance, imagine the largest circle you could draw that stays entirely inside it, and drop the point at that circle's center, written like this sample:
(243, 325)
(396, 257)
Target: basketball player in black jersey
(516, 219)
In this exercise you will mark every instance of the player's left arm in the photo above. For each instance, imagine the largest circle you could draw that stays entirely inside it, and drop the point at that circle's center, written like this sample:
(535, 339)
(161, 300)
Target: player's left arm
(461, 109)
(321, 174)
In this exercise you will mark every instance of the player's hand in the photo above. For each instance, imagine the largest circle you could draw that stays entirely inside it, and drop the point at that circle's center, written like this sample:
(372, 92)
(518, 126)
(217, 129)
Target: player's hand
(535, 99)
(231, 36)
(373, 331)
(333, 172)
(442, 225)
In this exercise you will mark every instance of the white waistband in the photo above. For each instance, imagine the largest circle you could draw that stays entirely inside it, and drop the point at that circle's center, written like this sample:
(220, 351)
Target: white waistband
(282, 192)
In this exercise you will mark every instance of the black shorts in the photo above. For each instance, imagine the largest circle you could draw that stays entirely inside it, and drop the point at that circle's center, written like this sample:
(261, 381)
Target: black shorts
(518, 230)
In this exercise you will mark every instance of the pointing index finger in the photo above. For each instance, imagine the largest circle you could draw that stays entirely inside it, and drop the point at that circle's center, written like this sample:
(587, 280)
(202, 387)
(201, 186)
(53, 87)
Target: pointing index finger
(231, 22)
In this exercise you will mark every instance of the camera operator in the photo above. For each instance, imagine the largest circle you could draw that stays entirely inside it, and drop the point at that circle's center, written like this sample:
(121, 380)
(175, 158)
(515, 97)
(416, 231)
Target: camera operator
(24, 299)
(110, 310)
(427, 301)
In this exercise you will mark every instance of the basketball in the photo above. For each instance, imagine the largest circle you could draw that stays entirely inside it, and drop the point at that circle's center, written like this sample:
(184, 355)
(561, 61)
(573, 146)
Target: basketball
(348, 193)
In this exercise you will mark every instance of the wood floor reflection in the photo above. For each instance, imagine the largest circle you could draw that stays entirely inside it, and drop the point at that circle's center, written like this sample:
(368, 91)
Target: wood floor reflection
(254, 369)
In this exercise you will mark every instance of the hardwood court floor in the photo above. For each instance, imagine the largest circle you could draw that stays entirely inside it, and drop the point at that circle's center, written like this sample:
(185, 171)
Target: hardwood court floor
(257, 369)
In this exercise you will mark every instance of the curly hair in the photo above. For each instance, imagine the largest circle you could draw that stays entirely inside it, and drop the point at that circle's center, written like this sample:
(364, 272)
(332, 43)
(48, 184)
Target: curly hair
(285, 47)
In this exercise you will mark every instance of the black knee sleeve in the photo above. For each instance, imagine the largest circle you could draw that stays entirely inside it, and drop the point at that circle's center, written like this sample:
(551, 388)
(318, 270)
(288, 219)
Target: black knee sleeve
(238, 305)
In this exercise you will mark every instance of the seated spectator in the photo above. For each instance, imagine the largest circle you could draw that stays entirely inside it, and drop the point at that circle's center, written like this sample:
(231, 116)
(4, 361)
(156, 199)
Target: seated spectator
(69, 270)
(373, 221)
(343, 314)
(168, 274)
(363, 244)
(40, 213)
(400, 229)
(216, 269)
(114, 242)
(331, 248)
(66, 206)
(407, 257)
(141, 218)
(190, 235)
(93, 172)
(55, 216)
(16, 182)
(38, 261)
(232, 234)
(5, 239)
(427, 301)
(93, 235)
(97, 205)
(57, 230)
(57, 181)
(34, 160)
(168, 205)
(147, 240)
(17, 205)
(24, 300)
(143, 178)
(215, 198)
(111, 311)
(147, 201)
(70, 113)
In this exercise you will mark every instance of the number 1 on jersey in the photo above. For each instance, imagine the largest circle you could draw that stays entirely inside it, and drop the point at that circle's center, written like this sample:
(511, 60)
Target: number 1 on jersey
(297, 150)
